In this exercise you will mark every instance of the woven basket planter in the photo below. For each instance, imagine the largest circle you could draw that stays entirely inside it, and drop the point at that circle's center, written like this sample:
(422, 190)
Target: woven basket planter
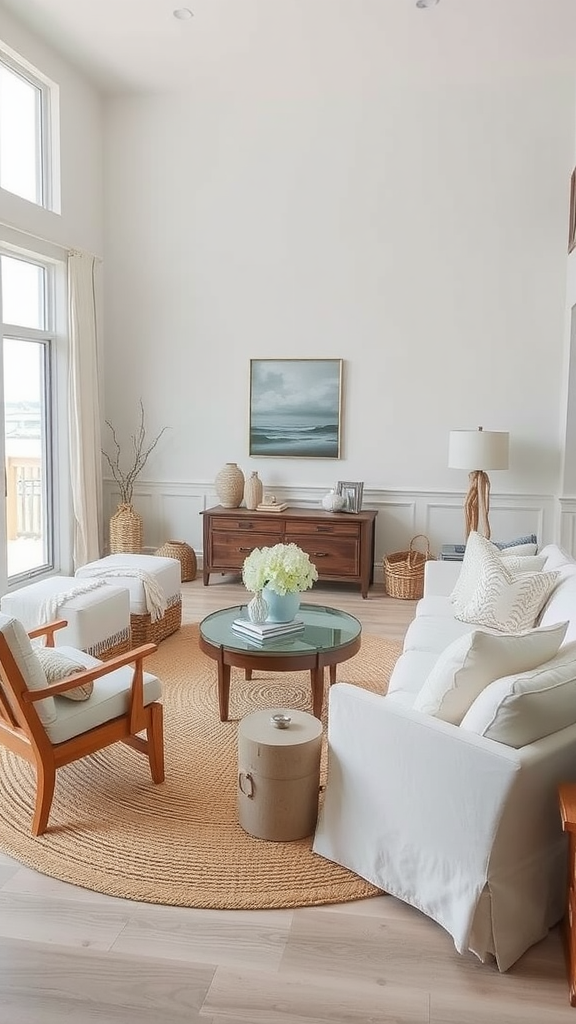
(126, 531)
(185, 555)
(404, 571)
(144, 631)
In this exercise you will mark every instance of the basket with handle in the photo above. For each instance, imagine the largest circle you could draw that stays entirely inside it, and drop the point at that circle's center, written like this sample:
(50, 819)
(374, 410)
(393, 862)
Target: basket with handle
(404, 571)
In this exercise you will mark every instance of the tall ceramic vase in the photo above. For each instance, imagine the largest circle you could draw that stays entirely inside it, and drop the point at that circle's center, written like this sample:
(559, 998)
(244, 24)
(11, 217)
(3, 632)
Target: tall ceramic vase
(281, 607)
(253, 491)
(229, 485)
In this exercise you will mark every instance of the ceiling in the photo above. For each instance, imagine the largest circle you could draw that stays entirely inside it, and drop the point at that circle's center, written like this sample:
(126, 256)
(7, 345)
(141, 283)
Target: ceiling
(139, 46)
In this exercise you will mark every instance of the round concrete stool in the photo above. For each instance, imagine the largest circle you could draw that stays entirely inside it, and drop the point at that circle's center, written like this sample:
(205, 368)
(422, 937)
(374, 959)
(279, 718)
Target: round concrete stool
(278, 774)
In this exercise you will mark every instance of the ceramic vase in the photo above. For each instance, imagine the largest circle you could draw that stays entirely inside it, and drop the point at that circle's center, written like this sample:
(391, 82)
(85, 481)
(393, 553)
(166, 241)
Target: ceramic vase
(333, 502)
(253, 491)
(229, 485)
(257, 608)
(281, 607)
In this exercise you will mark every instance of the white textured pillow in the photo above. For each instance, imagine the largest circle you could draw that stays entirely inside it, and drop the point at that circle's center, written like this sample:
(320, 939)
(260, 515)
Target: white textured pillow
(475, 660)
(478, 550)
(522, 708)
(500, 599)
(523, 563)
(57, 666)
(518, 549)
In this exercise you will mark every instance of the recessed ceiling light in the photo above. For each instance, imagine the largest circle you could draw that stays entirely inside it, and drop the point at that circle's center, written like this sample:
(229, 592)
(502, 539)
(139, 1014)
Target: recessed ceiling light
(426, 3)
(183, 13)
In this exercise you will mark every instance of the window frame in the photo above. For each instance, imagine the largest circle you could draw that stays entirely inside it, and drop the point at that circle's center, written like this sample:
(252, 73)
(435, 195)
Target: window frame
(46, 128)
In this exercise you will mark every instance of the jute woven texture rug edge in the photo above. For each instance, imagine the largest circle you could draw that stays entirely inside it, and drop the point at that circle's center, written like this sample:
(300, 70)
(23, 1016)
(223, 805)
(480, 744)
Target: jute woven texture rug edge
(112, 830)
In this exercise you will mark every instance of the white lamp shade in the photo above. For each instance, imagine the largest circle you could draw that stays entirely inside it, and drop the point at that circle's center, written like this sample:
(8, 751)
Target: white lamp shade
(478, 449)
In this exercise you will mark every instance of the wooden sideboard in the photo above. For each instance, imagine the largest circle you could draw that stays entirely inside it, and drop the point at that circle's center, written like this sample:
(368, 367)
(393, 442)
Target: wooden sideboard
(341, 544)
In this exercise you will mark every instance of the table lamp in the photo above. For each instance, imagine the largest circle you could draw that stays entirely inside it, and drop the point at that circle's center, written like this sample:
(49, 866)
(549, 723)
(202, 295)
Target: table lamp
(477, 451)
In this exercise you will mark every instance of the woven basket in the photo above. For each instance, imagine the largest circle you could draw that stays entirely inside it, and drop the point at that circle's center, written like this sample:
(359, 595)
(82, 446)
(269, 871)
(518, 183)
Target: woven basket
(185, 555)
(144, 631)
(404, 571)
(126, 531)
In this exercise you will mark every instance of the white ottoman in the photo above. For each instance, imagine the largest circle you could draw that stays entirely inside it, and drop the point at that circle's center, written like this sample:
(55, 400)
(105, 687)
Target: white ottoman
(147, 578)
(98, 620)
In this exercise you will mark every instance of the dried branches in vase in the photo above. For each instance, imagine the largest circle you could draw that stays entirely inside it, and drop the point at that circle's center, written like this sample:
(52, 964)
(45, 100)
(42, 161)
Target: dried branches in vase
(126, 530)
(140, 454)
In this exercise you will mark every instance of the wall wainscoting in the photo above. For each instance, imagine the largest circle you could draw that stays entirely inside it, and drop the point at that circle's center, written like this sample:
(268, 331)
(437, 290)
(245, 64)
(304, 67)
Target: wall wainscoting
(172, 511)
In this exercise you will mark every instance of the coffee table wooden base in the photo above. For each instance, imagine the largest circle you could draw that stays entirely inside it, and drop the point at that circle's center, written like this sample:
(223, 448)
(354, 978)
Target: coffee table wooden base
(315, 663)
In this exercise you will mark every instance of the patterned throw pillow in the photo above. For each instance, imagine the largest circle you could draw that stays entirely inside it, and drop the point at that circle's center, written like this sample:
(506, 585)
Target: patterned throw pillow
(477, 550)
(57, 666)
(499, 599)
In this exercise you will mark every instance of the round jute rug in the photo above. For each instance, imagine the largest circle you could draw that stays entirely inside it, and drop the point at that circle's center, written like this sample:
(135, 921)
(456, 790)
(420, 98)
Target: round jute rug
(112, 830)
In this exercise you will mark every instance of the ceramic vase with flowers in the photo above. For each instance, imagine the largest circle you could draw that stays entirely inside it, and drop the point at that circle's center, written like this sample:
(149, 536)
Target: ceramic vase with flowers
(279, 574)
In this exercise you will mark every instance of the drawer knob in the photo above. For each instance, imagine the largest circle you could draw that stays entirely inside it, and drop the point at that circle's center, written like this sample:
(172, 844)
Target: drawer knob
(320, 554)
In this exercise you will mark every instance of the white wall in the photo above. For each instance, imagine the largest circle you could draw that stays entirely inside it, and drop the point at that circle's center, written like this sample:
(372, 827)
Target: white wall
(391, 194)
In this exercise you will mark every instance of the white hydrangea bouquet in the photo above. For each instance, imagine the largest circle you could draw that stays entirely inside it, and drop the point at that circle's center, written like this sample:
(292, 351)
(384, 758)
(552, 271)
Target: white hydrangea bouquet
(284, 569)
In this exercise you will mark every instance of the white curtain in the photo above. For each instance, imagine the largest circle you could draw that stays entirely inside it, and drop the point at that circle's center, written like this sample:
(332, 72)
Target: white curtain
(84, 409)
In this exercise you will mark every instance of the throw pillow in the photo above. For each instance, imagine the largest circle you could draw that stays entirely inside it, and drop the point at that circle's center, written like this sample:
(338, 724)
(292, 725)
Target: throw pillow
(523, 563)
(519, 549)
(507, 602)
(57, 666)
(478, 550)
(475, 660)
(529, 538)
(524, 707)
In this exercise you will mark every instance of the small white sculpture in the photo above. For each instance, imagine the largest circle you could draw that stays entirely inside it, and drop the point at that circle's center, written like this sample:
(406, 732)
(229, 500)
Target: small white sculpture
(333, 502)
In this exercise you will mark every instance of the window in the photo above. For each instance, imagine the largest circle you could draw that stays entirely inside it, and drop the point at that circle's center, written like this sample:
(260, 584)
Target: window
(28, 116)
(27, 313)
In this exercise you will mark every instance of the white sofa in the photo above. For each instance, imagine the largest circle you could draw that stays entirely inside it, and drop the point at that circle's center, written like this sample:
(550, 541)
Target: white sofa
(461, 826)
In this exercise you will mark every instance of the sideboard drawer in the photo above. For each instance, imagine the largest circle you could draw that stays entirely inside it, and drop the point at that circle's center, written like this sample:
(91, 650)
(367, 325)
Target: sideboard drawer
(250, 525)
(342, 527)
(332, 556)
(228, 550)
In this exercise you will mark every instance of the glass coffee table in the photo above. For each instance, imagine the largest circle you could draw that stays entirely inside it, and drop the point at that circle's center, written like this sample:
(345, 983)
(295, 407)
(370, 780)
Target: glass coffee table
(329, 637)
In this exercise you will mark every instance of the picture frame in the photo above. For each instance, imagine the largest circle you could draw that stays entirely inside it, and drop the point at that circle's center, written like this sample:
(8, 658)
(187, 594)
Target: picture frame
(352, 490)
(572, 214)
(295, 408)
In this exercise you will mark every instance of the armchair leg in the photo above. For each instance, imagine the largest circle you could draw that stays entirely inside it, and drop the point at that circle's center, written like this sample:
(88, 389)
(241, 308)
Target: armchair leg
(45, 783)
(156, 742)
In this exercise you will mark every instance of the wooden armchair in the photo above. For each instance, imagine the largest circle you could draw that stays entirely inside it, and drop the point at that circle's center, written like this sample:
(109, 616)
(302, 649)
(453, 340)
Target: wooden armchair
(50, 732)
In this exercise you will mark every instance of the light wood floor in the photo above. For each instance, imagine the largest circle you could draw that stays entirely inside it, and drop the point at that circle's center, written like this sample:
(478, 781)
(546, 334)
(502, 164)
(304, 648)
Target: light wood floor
(67, 954)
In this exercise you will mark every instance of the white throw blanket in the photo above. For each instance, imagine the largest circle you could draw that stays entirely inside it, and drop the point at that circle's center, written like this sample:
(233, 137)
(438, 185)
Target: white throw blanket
(31, 615)
(154, 596)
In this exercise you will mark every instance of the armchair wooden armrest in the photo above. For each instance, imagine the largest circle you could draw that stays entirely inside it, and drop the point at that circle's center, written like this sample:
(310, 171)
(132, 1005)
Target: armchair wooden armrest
(48, 630)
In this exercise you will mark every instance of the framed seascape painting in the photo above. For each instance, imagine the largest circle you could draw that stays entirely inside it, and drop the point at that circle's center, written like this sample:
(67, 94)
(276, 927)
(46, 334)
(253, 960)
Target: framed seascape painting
(295, 408)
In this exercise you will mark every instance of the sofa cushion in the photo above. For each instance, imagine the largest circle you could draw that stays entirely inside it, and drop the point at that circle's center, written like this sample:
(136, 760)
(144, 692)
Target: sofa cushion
(434, 633)
(524, 707)
(110, 699)
(435, 604)
(57, 666)
(474, 661)
(410, 670)
(561, 605)
(500, 599)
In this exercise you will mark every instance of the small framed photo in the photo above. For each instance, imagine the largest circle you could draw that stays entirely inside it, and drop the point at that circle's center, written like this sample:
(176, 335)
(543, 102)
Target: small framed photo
(352, 491)
(572, 215)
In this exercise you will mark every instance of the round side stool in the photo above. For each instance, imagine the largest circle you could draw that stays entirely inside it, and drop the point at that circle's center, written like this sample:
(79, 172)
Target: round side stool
(279, 774)
(185, 555)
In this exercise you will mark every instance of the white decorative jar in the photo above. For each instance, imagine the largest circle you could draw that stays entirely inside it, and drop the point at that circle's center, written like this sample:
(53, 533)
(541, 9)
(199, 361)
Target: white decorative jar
(229, 485)
(333, 502)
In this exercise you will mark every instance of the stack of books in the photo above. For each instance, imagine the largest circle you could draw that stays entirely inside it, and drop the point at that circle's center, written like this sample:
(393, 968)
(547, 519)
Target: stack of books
(262, 631)
(452, 552)
(276, 506)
